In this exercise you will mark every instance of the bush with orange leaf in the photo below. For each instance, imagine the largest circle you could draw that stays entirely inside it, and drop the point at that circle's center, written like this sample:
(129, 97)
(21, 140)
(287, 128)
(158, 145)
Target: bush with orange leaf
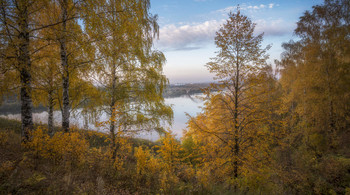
(60, 147)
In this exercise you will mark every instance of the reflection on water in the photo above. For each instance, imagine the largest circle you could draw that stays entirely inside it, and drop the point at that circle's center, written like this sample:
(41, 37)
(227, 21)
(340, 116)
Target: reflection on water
(180, 105)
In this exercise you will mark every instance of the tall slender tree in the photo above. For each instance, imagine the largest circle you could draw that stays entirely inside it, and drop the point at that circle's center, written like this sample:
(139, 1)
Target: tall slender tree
(18, 26)
(76, 51)
(233, 118)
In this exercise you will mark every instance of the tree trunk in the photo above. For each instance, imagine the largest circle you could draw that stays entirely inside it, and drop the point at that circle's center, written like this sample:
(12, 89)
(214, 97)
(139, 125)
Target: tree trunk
(50, 113)
(112, 110)
(86, 120)
(236, 146)
(64, 62)
(113, 146)
(66, 104)
(26, 104)
(25, 75)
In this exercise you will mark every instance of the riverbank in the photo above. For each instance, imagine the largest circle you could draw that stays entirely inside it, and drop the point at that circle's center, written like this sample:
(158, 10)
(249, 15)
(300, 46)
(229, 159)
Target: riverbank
(95, 138)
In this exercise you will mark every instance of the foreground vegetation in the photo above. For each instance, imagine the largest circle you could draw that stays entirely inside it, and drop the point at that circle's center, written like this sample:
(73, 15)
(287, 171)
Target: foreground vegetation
(80, 162)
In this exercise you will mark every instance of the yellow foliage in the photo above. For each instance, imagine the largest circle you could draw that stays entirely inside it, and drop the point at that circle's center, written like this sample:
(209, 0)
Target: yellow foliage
(7, 166)
(34, 179)
(3, 138)
(347, 191)
(167, 182)
(146, 163)
(123, 149)
(203, 177)
(62, 146)
(148, 168)
(169, 151)
(141, 157)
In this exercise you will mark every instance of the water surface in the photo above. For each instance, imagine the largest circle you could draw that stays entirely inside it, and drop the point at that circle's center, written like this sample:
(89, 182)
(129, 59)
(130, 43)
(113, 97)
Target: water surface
(180, 105)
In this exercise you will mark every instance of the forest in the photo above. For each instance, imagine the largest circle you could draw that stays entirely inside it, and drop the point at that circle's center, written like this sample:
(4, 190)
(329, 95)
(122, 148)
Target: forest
(263, 129)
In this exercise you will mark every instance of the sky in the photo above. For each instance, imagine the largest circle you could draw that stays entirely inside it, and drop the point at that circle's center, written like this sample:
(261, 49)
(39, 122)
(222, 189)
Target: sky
(187, 30)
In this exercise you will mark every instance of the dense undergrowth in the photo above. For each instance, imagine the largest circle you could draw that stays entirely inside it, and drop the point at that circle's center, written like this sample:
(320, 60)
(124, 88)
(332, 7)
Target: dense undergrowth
(80, 162)
(76, 162)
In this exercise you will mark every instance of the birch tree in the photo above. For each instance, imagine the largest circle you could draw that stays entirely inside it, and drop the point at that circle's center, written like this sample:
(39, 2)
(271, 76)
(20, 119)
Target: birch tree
(76, 52)
(130, 71)
(18, 27)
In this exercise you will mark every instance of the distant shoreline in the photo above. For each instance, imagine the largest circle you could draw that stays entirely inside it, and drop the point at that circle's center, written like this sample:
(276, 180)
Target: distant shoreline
(178, 90)
(12, 104)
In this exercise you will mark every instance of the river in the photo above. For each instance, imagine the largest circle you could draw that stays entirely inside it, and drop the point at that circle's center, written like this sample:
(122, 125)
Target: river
(181, 105)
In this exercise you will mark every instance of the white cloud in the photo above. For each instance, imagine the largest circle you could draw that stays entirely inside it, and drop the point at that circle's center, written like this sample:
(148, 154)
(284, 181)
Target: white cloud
(273, 27)
(188, 37)
(195, 36)
(257, 7)
(226, 10)
(245, 7)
